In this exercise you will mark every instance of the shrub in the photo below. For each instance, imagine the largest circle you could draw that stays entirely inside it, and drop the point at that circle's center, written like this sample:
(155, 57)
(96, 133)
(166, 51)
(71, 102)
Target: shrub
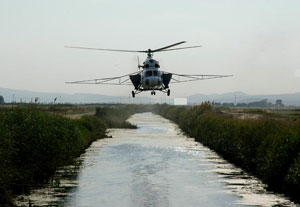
(268, 148)
(33, 144)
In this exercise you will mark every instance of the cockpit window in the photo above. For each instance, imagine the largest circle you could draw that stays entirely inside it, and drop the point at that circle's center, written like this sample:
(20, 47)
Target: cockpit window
(156, 65)
(148, 73)
(155, 73)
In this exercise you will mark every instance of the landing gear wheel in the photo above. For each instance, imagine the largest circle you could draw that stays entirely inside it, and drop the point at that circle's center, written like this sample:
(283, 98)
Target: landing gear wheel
(154, 93)
(133, 94)
(168, 93)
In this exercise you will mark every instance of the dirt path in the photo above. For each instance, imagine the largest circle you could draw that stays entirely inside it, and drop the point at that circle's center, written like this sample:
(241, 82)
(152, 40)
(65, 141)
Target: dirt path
(78, 116)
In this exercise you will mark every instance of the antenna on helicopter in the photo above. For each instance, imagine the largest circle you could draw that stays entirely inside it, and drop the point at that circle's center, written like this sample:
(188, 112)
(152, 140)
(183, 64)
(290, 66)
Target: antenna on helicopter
(139, 66)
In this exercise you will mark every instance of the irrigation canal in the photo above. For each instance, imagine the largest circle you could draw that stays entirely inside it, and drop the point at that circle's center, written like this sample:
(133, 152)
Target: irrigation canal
(154, 165)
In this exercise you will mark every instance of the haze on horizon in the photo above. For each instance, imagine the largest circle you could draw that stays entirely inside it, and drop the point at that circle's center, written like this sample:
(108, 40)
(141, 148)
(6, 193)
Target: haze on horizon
(257, 41)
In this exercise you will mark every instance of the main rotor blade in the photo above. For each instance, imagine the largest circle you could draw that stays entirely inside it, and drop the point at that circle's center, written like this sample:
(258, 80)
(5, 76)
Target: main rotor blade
(180, 48)
(113, 50)
(166, 47)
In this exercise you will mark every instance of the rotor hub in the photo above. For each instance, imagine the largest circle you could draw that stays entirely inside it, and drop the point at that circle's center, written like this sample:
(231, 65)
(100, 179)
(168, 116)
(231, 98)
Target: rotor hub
(149, 53)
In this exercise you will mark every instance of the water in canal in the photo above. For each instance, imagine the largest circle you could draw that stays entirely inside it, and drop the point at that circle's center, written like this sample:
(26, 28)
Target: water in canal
(154, 165)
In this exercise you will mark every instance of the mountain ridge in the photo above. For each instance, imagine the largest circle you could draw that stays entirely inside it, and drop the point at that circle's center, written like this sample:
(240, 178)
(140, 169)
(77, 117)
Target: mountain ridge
(19, 95)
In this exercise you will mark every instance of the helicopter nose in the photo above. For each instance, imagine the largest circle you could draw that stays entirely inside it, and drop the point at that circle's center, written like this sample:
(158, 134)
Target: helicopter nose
(153, 81)
(147, 82)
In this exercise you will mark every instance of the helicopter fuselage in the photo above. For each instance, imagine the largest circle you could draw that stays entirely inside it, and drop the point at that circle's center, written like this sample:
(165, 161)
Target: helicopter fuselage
(151, 77)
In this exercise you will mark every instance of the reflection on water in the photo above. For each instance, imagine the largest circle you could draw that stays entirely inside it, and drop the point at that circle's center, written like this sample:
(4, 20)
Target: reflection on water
(52, 193)
(154, 165)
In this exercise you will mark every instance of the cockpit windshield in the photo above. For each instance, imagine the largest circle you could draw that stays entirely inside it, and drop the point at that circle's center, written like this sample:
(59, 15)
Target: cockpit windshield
(152, 73)
(148, 73)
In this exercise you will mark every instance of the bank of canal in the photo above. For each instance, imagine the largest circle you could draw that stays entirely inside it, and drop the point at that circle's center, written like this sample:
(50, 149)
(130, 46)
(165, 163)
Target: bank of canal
(154, 165)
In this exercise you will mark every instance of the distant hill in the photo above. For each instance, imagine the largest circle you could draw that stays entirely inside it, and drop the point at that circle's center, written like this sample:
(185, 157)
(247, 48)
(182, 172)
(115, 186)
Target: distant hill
(11, 95)
(292, 99)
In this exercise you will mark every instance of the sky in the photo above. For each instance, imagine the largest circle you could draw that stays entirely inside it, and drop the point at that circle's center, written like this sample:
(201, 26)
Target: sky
(257, 41)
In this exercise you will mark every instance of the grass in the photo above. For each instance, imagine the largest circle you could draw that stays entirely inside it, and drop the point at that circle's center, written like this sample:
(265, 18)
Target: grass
(34, 142)
(267, 147)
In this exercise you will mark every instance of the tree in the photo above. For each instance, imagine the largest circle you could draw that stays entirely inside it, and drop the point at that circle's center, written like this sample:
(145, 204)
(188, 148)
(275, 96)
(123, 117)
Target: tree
(1, 100)
(279, 103)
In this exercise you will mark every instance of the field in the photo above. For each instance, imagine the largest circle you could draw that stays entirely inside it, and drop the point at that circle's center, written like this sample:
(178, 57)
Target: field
(284, 113)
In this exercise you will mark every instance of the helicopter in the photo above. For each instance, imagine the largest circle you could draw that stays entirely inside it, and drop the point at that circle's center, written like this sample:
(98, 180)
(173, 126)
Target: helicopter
(149, 77)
